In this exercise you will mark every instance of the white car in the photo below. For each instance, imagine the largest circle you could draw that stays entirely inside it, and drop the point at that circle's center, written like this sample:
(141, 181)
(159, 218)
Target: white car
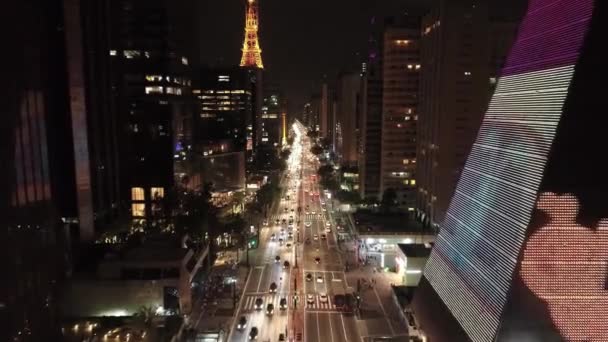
(315, 237)
(314, 212)
(307, 224)
(327, 224)
(323, 297)
(319, 279)
(310, 299)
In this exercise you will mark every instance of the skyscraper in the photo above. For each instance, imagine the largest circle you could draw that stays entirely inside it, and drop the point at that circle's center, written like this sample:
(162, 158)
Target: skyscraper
(347, 100)
(521, 254)
(389, 99)
(34, 105)
(151, 83)
(400, 79)
(455, 91)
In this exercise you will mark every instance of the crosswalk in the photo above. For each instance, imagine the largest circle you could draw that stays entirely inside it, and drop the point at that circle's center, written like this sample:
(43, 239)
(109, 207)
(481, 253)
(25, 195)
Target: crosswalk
(314, 303)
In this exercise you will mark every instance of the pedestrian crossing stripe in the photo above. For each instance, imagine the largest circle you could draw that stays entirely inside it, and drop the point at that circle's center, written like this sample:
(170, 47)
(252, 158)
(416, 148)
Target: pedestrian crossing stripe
(316, 304)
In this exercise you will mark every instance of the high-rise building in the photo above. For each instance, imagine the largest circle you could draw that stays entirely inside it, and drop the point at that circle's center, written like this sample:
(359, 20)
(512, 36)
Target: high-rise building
(455, 90)
(371, 115)
(389, 99)
(271, 119)
(521, 253)
(347, 106)
(225, 107)
(151, 83)
(400, 80)
(324, 111)
(35, 115)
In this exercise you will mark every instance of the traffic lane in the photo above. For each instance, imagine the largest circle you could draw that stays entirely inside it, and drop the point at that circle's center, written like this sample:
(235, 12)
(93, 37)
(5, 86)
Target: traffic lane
(254, 279)
(313, 332)
(338, 328)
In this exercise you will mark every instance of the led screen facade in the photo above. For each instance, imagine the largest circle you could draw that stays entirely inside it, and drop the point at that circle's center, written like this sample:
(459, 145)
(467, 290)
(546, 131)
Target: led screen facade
(486, 245)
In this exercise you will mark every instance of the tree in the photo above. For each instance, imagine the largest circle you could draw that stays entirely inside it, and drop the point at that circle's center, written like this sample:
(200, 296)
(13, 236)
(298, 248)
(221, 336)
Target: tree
(144, 320)
(238, 201)
(316, 150)
(389, 198)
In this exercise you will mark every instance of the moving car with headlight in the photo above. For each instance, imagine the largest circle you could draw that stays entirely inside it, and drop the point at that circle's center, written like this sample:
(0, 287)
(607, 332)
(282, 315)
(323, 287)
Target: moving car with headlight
(242, 323)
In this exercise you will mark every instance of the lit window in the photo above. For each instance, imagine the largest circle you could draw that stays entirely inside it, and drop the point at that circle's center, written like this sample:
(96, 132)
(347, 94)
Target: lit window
(238, 92)
(147, 54)
(196, 91)
(171, 90)
(467, 73)
(130, 54)
(207, 115)
(413, 182)
(138, 209)
(410, 66)
(223, 78)
(154, 90)
(157, 193)
(184, 61)
(402, 42)
(417, 66)
(137, 194)
(406, 161)
(406, 182)
(112, 52)
(492, 80)
(154, 78)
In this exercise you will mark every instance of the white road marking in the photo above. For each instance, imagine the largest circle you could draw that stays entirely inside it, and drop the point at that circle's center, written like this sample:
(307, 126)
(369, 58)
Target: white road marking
(240, 304)
(261, 277)
(384, 312)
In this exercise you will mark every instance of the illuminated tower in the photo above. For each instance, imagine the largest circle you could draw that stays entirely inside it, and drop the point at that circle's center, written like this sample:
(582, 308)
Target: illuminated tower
(252, 54)
(284, 118)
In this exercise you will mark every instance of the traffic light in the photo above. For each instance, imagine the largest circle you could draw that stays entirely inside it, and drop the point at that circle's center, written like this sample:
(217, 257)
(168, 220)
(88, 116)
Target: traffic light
(252, 243)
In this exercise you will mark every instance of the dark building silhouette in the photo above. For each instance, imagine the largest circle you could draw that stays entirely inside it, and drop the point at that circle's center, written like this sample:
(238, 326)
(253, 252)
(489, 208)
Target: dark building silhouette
(521, 254)
(35, 112)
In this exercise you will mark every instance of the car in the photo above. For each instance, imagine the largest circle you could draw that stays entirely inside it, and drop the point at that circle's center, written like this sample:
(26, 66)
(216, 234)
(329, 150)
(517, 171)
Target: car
(307, 224)
(286, 264)
(258, 303)
(313, 212)
(273, 288)
(317, 260)
(328, 230)
(277, 221)
(273, 237)
(307, 212)
(323, 297)
(269, 309)
(323, 236)
(308, 277)
(242, 323)
(310, 299)
(327, 224)
(280, 241)
(281, 337)
(319, 279)
(322, 203)
(277, 259)
(265, 222)
(253, 333)
(288, 245)
(284, 221)
(324, 210)
(290, 235)
(315, 237)
(292, 210)
(286, 209)
(283, 303)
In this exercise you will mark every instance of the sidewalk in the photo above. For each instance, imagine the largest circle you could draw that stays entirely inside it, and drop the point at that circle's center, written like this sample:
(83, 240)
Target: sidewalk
(214, 309)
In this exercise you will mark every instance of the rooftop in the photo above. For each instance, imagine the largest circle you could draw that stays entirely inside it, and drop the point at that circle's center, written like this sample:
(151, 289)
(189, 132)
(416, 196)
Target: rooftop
(377, 222)
(415, 250)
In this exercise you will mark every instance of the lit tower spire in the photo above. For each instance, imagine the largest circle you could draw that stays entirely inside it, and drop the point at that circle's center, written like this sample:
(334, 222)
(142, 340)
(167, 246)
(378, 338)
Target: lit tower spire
(284, 119)
(252, 54)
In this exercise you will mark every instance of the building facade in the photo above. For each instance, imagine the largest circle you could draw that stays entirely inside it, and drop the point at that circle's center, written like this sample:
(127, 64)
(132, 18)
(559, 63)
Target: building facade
(400, 81)
(455, 89)
(347, 118)
(152, 88)
(521, 253)
(371, 117)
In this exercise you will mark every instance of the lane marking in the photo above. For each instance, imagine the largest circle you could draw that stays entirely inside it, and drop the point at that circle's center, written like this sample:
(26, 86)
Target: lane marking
(344, 328)
(240, 307)
(261, 277)
(384, 312)
(318, 329)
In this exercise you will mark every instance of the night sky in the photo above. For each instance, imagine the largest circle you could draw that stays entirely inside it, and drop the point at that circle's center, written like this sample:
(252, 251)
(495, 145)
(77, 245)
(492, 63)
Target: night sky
(301, 40)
